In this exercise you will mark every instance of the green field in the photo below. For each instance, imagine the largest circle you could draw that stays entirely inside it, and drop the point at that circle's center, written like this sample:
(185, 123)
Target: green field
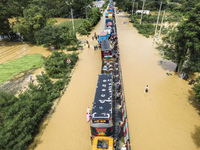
(10, 69)
(69, 23)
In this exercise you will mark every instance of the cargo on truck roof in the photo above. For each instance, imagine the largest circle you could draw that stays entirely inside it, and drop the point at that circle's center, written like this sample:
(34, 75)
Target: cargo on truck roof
(105, 45)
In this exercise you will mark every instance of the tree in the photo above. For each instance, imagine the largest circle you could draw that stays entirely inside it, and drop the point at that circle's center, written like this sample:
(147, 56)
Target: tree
(57, 36)
(35, 18)
(56, 64)
(182, 45)
(94, 16)
(196, 89)
(5, 14)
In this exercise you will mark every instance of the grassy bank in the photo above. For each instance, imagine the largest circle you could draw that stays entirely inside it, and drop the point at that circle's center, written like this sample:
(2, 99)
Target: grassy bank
(12, 68)
(69, 23)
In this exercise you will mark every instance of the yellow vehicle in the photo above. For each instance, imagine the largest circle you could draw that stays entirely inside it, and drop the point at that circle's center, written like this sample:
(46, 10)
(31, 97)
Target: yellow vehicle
(110, 16)
(102, 143)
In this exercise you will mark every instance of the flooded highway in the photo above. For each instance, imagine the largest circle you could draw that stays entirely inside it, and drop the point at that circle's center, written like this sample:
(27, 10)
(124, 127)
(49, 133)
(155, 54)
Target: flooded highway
(68, 128)
(163, 118)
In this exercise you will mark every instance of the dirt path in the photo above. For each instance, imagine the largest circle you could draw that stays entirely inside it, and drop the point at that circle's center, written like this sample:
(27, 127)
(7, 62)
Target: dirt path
(68, 128)
(163, 118)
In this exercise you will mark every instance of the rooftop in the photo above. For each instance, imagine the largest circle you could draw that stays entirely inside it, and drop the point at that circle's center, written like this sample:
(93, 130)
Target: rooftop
(102, 105)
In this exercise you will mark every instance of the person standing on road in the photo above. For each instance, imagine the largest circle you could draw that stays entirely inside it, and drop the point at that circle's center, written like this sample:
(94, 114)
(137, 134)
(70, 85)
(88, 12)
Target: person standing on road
(146, 88)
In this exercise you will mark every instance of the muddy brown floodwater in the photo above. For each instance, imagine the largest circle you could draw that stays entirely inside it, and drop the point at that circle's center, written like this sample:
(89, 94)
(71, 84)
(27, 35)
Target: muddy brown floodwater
(13, 50)
(68, 128)
(163, 118)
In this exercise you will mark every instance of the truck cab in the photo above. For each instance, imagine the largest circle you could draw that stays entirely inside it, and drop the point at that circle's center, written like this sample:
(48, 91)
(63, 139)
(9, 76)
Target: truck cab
(102, 143)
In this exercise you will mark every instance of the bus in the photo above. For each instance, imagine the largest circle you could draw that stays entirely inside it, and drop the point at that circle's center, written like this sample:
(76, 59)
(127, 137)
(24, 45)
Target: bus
(101, 122)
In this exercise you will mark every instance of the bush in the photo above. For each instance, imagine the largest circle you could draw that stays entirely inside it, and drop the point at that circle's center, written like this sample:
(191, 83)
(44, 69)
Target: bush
(174, 17)
(72, 48)
(21, 116)
(196, 89)
(94, 16)
(57, 36)
(56, 64)
(145, 29)
(85, 27)
(105, 4)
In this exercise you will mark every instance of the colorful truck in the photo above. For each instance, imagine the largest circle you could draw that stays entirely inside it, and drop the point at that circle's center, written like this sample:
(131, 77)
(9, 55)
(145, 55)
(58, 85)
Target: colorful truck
(108, 20)
(110, 16)
(109, 24)
(108, 30)
(102, 143)
(108, 65)
(105, 49)
(103, 36)
(106, 14)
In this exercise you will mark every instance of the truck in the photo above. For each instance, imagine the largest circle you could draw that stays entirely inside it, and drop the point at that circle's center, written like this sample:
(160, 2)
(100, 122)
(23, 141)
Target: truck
(109, 24)
(110, 10)
(106, 14)
(103, 36)
(102, 143)
(108, 30)
(108, 65)
(110, 16)
(105, 49)
(108, 20)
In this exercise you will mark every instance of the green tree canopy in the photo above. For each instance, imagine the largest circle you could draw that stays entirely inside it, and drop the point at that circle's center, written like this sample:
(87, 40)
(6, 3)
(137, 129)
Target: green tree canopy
(57, 36)
(56, 64)
(182, 45)
(196, 89)
(35, 18)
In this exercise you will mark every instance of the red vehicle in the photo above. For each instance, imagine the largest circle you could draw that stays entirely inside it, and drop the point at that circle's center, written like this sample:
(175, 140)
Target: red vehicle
(109, 24)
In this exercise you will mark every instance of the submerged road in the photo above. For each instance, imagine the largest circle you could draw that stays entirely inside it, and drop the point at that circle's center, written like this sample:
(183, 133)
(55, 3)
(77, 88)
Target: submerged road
(163, 118)
(68, 128)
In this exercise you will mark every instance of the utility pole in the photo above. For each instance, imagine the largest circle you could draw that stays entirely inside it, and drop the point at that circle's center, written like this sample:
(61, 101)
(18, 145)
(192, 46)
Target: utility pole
(161, 24)
(133, 6)
(157, 20)
(70, 3)
(86, 11)
(142, 12)
(72, 19)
